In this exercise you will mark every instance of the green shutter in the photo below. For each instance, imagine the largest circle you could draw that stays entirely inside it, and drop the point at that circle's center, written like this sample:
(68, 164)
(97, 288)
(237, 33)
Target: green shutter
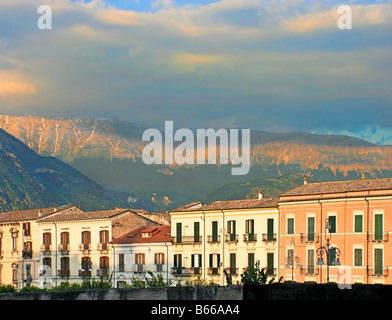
(270, 263)
(290, 226)
(179, 232)
(378, 266)
(357, 257)
(270, 229)
(378, 227)
(358, 223)
(196, 231)
(311, 229)
(332, 223)
(214, 231)
(251, 260)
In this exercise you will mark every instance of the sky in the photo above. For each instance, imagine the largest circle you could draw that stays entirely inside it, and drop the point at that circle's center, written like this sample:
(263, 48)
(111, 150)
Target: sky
(280, 66)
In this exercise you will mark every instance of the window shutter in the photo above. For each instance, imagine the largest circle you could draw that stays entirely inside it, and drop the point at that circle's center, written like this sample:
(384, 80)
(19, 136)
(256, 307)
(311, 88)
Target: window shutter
(378, 227)
(358, 223)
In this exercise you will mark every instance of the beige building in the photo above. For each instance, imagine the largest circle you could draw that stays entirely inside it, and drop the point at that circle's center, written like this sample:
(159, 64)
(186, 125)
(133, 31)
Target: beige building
(49, 246)
(224, 235)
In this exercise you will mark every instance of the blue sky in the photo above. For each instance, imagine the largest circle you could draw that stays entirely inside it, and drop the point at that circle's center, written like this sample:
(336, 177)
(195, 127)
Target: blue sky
(272, 65)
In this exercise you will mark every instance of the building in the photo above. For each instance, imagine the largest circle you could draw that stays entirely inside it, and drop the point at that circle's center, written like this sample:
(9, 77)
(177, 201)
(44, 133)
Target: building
(75, 244)
(20, 244)
(146, 249)
(223, 236)
(351, 218)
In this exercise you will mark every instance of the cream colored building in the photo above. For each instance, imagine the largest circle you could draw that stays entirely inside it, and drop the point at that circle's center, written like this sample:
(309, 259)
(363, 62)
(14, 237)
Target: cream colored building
(75, 245)
(20, 242)
(225, 235)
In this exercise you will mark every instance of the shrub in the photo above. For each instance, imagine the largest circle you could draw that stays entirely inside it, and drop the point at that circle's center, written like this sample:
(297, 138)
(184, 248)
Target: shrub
(6, 288)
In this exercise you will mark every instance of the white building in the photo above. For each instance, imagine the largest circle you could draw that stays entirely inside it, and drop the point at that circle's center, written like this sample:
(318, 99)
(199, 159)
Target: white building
(146, 249)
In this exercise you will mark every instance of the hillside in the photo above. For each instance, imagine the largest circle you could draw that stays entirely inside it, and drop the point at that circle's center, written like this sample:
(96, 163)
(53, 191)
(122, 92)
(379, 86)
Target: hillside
(109, 152)
(29, 180)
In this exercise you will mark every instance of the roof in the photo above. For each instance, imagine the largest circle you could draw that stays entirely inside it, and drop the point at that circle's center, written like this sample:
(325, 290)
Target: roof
(156, 234)
(340, 187)
(31, 214)
(230, 204)
(82, 215)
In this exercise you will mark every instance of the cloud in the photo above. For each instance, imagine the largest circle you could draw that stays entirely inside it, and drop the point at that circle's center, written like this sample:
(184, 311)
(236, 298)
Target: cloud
(13, 84)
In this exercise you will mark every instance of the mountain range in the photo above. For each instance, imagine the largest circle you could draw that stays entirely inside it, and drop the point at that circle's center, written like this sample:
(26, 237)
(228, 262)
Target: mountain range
(109, 151)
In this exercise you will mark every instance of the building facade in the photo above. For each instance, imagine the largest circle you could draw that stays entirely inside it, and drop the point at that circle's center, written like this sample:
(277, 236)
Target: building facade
(141, 251)
(353, 219)
(224, 236)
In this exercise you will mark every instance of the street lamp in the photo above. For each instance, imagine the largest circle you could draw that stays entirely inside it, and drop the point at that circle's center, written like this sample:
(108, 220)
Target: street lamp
(328, 251)
(292, 260)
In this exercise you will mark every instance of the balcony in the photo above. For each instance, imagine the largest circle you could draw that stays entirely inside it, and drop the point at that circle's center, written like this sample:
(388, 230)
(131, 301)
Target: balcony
(27, 254)
(103, 247)
(309, 270)
(63, 273)
(186, 240)
(213, 239)
(84, 273)
(379, 271)
(46, 248)
(269, 237)
(85, 247)
(231, 238)
(213, 271)
(139, 268)
(250, 237)
(270, 271)
(378, 236)
(232, 271)
(103, 272)
(309, 237)
(63, 248)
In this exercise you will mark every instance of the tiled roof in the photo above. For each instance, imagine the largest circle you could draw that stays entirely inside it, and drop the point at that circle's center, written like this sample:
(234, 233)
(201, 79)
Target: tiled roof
(31, 214)
(81, 215)
(340, 187)
(232, 204)
(157, 234)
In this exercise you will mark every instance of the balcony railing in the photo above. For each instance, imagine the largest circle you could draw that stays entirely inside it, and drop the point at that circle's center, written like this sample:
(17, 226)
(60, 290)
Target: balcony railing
(139, 268)
(63, 248)
(270, 271)
(186, 240)
(232, 237)
(84, 273)
(309, 270)
(63, 273)
(213, 271)
(103, 246)
(103, 272)
(85, 247)
(185, 271)
(378, 271)
(250, 237)
(46, 248)
(232, 271)
(375, 236)
(214, 239)
(267, 237)
(310, 237)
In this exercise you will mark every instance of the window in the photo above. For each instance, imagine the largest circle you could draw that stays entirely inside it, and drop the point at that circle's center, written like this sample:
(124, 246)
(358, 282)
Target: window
(28, 250)
(14, 236)
(311, 227)
(64, 241)
(121, 262)
(310, 268)
(103, 239)
(47, 262)
(290, 226)
(179, 232)
(64, 267)
(159, 260)
(26, 229)
(270, 264)
(86, 240)
(378, 227)
(358, 223)
(231, 230)
(214, 263)
(270, 229)
(140, 261)
(86, 267)
(214, 231)
(357, 257)
(250, 230)
(233, 268)
(196, 263)
(378, 263)
(251, 260)
(103, 266)
(28, 273)
(47, 240)
(332, 223)
(332, 254)
(196, 231)
(290, 258)
(177, 263)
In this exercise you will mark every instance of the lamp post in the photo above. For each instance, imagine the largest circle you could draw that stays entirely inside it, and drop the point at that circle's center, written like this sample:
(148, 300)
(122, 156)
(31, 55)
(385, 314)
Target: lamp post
(328, 251)
(293, 260)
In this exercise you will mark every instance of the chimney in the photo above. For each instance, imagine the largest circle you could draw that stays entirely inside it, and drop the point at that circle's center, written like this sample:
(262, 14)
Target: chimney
(260, 195)
(39, 214)
(305, 180)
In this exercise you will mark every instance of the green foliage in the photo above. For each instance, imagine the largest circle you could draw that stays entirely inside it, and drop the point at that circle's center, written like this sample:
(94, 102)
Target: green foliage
(256, 275)
(229, 278)
(31, 289)
(6, 288)
(86, 284)
(156, 281)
